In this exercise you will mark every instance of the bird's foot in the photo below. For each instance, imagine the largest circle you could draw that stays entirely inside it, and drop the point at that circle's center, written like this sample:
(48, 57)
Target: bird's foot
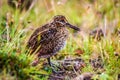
(56, 69)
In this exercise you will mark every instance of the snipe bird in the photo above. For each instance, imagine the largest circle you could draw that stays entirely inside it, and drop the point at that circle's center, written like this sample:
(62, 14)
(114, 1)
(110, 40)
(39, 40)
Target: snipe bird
(49, 39)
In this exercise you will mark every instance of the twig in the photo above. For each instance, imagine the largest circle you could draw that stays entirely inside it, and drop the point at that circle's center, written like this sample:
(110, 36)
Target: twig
(7, 28)
(56, 76)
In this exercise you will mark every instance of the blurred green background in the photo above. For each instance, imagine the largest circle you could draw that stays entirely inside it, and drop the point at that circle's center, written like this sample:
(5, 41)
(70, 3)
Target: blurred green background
(19, 18)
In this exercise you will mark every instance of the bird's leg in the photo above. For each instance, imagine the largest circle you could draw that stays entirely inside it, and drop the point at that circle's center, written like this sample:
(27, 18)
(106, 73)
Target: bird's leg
(53, 66)
(49, 62)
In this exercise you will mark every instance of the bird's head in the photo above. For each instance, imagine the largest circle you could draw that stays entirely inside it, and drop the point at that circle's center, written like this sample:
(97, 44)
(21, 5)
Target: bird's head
(60, 18)
(62, 21)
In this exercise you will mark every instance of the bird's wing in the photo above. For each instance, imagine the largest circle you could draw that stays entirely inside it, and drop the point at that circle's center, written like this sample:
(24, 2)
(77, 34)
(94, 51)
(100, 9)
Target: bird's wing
(41, 36)
(48, 35)
(34, 39)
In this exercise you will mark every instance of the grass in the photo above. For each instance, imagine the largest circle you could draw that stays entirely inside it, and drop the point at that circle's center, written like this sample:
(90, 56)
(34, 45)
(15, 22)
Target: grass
(16, 28)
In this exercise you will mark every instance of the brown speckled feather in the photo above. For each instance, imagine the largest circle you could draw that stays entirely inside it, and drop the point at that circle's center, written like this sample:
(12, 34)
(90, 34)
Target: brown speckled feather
(34, 41)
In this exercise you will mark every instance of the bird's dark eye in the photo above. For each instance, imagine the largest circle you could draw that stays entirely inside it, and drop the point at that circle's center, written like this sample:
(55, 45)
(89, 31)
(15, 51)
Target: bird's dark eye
(62, 20)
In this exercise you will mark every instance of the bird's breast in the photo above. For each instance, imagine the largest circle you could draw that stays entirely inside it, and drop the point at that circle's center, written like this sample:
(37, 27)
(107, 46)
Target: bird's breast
(59, 40)
(53, 41)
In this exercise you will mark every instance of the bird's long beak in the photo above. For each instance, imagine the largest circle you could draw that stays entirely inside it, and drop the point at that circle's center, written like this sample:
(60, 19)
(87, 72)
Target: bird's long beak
(73, 27)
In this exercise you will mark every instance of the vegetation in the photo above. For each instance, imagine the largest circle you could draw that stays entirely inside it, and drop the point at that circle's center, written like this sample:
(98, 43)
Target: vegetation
(16, 26)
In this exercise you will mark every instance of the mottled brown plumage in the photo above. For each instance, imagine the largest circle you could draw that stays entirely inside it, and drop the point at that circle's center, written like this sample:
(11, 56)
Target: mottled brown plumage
(50, 38)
